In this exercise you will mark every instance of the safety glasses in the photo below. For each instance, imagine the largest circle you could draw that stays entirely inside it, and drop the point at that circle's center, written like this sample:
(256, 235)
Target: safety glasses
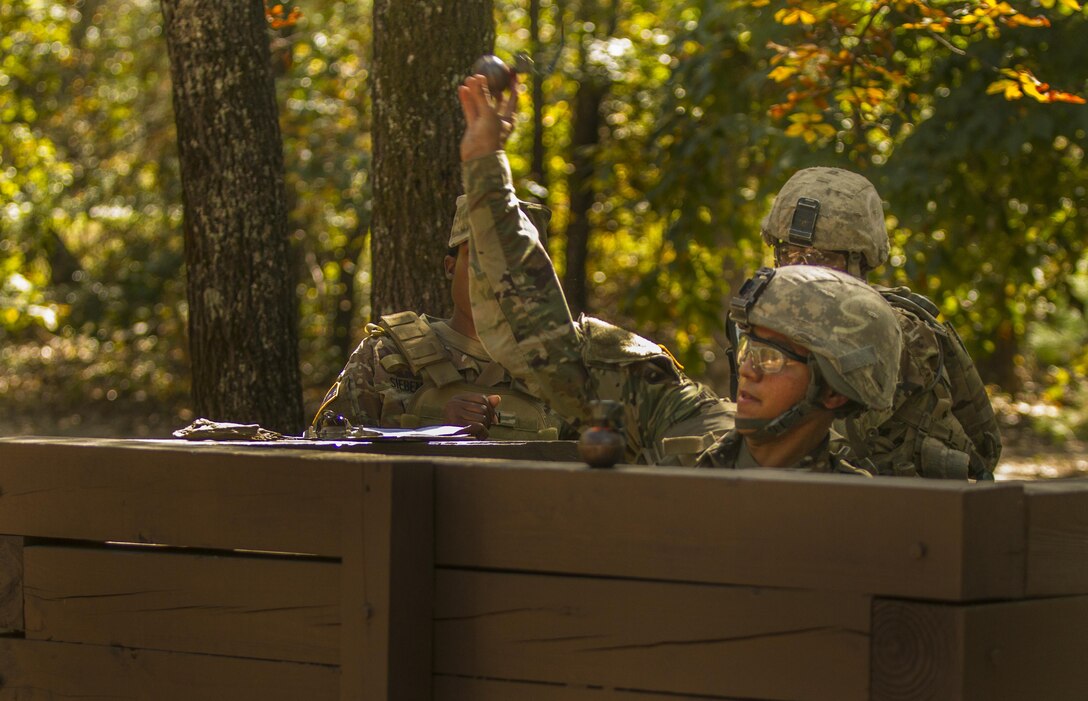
(766, 355)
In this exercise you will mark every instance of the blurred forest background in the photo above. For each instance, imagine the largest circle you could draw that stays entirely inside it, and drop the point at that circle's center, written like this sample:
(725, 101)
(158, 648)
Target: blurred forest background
(657, 132)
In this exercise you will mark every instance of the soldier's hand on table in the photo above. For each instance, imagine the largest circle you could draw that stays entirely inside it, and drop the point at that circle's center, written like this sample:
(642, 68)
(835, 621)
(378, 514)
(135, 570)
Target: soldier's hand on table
(489, 119)
(475, 411)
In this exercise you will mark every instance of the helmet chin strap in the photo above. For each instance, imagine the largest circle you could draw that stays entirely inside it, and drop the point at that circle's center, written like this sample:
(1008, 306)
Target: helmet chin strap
(781, 424)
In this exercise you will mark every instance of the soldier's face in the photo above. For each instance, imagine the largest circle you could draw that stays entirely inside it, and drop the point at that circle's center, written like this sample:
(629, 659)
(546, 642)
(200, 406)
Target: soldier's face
(762, 395)
(457, 270)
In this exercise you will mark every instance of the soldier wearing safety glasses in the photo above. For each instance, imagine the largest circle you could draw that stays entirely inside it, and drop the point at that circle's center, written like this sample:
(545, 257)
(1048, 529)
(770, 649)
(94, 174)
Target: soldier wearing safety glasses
(941, 423)
(814, 345)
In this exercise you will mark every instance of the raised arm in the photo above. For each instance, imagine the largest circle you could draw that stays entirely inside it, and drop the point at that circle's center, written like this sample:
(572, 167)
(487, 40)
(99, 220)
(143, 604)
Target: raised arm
(518, 305)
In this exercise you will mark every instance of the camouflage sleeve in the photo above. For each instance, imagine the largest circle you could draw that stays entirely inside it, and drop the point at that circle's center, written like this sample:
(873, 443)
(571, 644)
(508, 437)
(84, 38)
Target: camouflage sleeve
(672, 422)
(364, 392)
(518, 305)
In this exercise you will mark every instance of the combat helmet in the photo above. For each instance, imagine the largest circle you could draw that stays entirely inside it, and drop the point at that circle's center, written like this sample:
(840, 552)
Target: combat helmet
(829, 210)
(538, 214)
(850, 330)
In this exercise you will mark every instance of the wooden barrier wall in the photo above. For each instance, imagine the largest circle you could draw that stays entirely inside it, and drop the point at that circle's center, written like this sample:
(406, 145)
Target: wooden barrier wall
(171, 570)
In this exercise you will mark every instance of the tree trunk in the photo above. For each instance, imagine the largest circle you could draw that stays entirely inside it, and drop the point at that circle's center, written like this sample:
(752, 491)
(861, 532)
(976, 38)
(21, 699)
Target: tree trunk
(242, 309)
(584, 140)
(422, 52)
(1000, 367)
(537, 170)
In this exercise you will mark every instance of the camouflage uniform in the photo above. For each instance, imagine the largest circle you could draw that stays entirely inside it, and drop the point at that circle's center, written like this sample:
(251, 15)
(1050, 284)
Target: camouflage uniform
(731, 452)
(524, 322)
(854, 340)
(941, 423)
(409, 366)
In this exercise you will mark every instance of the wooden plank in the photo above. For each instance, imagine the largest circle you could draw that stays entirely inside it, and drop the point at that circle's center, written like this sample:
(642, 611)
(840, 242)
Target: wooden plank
(11, 583)
(267, 608)
(552, 451)
(354, 598)
(983, 652)
(1057, 537)
(447, 688)
(97, 489)
(917, 538)
(34, 670)
(409, 552)
(653, 636)
(388, 585)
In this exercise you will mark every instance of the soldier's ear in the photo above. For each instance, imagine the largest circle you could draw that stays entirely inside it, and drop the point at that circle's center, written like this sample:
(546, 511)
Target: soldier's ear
(450, 264)
(833, 400)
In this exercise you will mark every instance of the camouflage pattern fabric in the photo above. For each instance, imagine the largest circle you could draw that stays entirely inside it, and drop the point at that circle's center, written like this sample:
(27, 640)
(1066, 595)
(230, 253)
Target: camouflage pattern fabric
(938, 427)
(523, 320)
(378, 386)
(730, 452)
(850, 330)
(850, 215)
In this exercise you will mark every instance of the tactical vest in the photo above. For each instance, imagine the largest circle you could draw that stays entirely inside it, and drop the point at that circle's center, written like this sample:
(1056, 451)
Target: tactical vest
(946, 427)
(423, 353)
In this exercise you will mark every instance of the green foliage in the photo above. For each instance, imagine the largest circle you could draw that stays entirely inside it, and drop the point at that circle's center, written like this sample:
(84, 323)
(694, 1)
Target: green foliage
(989, 194)
(1058, 341)
(323, 66)
(854, 72)
(32, 174)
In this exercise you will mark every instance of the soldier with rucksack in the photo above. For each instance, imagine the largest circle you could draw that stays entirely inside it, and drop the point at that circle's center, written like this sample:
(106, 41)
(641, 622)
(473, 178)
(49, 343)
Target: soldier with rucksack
(941, 423)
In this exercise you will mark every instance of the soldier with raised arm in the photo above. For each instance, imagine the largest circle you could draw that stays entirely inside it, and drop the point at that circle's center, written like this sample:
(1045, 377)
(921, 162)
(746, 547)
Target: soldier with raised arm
(523, 320)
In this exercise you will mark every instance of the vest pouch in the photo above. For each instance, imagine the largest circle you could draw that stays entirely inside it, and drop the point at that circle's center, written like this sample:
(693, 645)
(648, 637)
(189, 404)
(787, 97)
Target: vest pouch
(941, 462)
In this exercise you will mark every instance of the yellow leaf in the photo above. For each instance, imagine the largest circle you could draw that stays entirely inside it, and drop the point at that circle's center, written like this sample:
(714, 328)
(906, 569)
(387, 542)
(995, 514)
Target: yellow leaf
(796, 129)
(793, 15)
(1000, 86)
(781, 73)
(1019, 20)
(1071, 4)
(1032, 90)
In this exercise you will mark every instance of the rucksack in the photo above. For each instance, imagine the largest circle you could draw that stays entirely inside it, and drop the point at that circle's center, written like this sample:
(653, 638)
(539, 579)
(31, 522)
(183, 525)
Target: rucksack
(970, 405)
